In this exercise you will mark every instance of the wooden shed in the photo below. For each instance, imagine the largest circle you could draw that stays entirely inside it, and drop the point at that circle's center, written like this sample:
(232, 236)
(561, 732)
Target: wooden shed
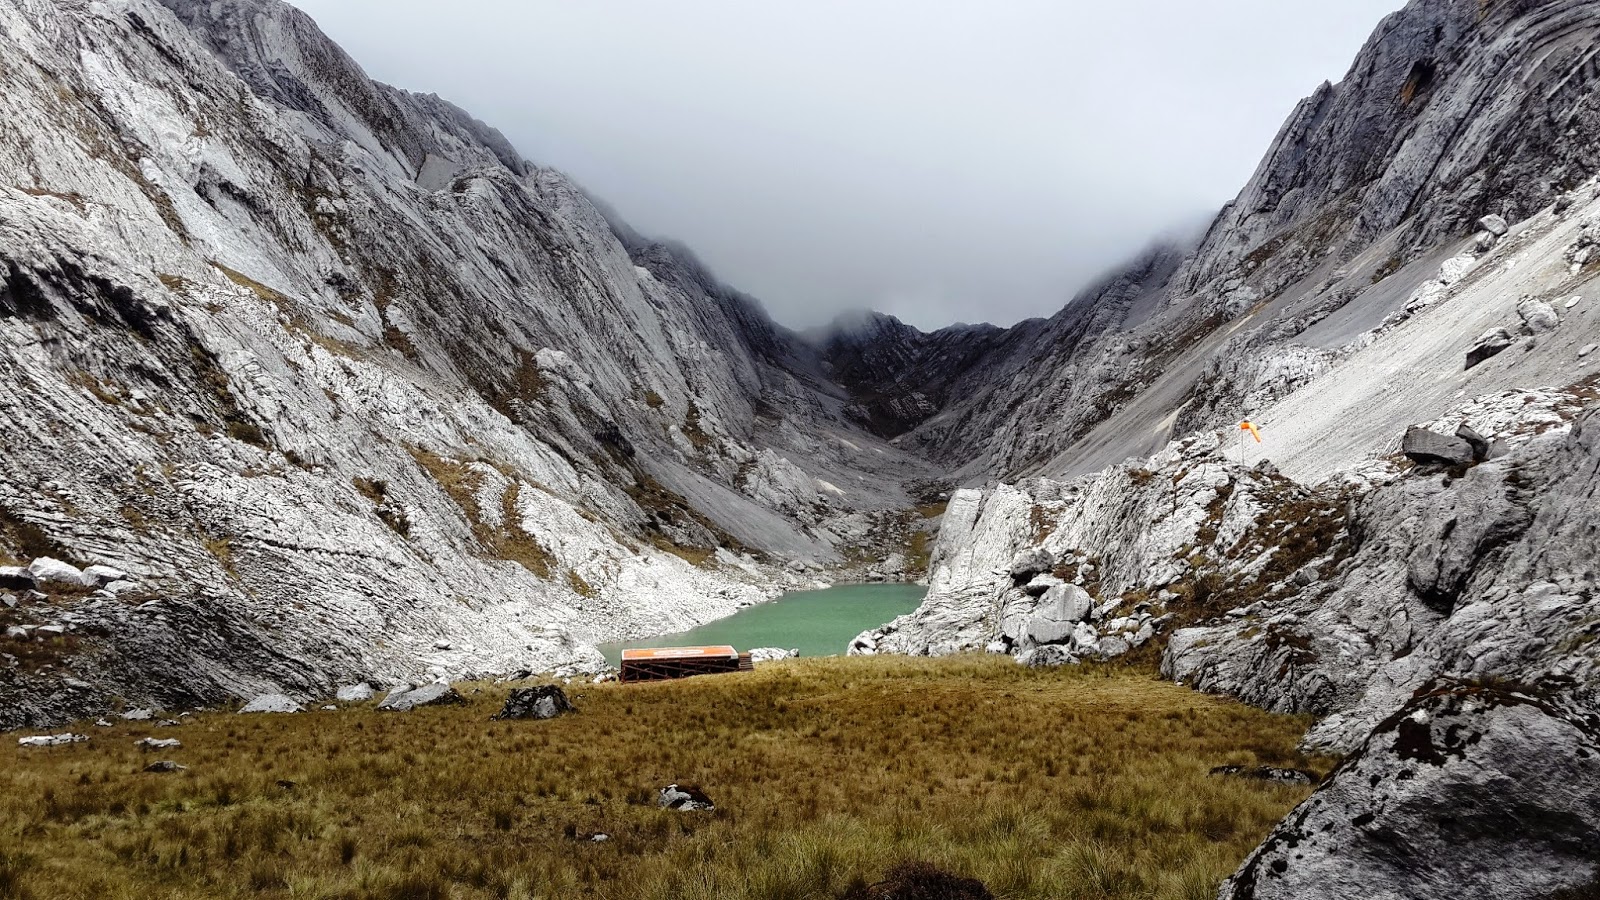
(665, 663)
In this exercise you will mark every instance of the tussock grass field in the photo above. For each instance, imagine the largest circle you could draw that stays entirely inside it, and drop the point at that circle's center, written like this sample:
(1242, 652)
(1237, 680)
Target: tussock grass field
(1083, 782)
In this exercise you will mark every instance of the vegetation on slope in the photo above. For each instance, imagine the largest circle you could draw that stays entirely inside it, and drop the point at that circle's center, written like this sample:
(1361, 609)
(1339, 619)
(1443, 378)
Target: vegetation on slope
(1073, 783)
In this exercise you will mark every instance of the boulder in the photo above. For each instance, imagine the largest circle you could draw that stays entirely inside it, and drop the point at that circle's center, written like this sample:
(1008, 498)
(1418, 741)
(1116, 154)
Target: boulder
(543, 702)
(1432, 448)
(1488, 344)
(684, 798)
(1466, 791)
(271, 703)
(1029, 563)
(148, 744)
(771, 654)
(139, 715)
(100, 576)
(1047, 657)
(437, 694)
(51, 740)
(1495, 224)
(1040, 584)
(16, 578)
(354, 693)
(53, 571)
(17, 633)
(165, 765)
(1058, 614)
(1478, 443)
(1537, 316)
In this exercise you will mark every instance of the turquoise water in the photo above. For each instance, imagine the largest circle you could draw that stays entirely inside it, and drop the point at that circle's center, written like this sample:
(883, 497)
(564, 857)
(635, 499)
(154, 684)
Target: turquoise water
(818, 623)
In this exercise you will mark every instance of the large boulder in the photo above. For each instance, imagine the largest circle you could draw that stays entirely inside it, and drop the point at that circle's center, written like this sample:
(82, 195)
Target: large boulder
(543, 702)
(354, 693)
(1029, 563)
(1495, 224)
(1432, 448)
(1467, 791)
(1488, 344)
(1538, 317)
(46, 570)
(439, 694)
(1059, 611)
(271, 703)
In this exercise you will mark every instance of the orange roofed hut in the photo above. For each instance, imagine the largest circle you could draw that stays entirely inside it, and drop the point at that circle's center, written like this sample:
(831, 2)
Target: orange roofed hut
(665, 663)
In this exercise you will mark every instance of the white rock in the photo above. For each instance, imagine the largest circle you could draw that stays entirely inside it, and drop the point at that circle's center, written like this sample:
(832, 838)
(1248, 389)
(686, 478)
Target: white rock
(101, 576)
(17, 633)
(148, 744)
(51, 740)
(354, 693)
(271, 703)
(1572, 301)
(329, 707)
(46, 570)
(138, 715)
(771, 654)
(1495, 224)
(1588, 349)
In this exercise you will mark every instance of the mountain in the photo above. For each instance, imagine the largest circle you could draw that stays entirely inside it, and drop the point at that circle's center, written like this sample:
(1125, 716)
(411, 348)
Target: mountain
(310, 379)
(348, 389)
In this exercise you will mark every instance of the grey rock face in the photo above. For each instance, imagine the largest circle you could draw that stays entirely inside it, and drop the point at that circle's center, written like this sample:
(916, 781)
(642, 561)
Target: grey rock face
(542, 702)
(1431, 448)
(1466, 791)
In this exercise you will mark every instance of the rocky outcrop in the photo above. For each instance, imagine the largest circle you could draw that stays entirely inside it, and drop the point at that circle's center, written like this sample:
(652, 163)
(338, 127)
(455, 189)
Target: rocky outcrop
(1469, 790)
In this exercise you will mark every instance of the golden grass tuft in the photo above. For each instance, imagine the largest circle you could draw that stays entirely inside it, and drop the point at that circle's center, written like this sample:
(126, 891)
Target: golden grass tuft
(1083, 782)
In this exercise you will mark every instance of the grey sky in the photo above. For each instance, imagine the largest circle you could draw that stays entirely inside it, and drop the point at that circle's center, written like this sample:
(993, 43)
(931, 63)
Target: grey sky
(942, 161)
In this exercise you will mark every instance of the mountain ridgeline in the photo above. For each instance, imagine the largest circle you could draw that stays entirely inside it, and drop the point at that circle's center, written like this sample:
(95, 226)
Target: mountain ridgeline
(312, 380)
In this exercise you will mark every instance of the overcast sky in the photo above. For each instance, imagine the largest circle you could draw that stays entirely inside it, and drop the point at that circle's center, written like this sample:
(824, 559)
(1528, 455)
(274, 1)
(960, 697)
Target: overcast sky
(942, 161)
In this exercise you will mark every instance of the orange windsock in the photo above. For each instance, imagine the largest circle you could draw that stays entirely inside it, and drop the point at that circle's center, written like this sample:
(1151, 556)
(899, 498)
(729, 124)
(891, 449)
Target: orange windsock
(1249, 426)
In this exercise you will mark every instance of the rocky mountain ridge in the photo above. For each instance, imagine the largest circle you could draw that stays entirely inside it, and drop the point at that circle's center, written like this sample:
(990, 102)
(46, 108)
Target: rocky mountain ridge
(351, 390)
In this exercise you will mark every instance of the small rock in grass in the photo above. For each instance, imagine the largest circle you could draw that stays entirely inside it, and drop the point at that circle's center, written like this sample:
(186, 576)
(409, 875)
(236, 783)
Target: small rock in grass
(138, 715)
(148, 744)
(271, 703)
(684, 798)
(51, 740)
(165, 765)
(1268, 773)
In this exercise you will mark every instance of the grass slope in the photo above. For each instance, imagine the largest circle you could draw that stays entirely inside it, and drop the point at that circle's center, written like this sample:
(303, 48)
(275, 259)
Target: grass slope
(1080, 782)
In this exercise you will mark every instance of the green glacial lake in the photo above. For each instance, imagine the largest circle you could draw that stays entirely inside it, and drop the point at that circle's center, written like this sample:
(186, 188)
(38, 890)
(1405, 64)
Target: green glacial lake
(819, 623)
